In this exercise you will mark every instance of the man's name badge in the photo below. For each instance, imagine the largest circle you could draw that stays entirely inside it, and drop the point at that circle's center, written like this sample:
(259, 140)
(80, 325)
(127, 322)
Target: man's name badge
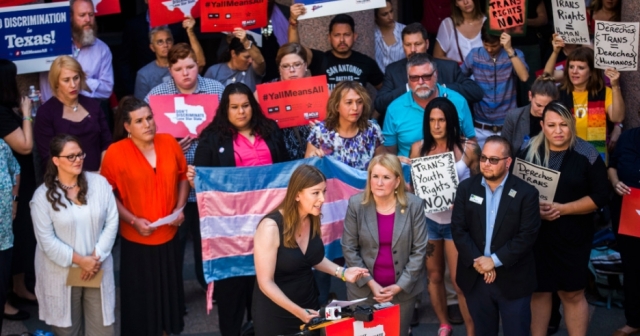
(476, 199)
(512, 193)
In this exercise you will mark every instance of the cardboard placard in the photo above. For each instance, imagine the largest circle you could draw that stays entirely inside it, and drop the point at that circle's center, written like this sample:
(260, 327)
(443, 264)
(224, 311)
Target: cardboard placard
(509, 16)
(106, 7)
(630, 214)
(164, 12)
(570, 21)
(318, 8)
(543, 179)
(435, 180)
(225, 15)
(294, 102)
(35, 35)
(616, 45)
(182, 115)
(74, 278)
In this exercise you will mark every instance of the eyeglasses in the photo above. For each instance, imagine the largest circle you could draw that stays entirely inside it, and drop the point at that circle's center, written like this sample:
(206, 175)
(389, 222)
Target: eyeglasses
(294, 66)
(73, 157)
(492, 160)
(425, 78)
(160, 43)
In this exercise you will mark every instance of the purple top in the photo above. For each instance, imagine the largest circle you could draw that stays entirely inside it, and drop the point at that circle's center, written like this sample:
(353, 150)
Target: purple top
(383, 270)
(92, 131)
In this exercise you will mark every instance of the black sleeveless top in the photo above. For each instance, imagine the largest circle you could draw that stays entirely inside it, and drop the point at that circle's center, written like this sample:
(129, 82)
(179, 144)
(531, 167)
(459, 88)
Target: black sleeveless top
(294, 277)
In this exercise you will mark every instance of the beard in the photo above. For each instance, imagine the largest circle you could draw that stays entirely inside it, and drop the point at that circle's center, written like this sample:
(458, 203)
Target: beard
(423, 94)
(82, 36)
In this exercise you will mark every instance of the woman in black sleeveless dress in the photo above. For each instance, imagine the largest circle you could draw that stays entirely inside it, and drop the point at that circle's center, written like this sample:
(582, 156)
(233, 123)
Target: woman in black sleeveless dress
(287, 245)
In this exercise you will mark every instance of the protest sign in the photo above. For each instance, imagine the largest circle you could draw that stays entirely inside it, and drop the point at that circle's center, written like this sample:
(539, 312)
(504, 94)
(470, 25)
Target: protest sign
(164, 12)
(34, 35)
(630, 214)
(106, 7)
(182, 115)
(294, 102)
(616, 45)
(435, 180)
(318, 8)
(7, 3)
(225, 15)
(570, 21)
(507, 16)
(543, 179)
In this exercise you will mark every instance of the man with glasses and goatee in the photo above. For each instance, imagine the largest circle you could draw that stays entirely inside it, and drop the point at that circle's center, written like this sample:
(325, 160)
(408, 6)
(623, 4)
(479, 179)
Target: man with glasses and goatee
(495, 222)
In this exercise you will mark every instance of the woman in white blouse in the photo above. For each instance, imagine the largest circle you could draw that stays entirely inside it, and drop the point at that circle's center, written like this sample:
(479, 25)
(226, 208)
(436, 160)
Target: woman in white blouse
(76, 221)
(388, 37)
(460, 33)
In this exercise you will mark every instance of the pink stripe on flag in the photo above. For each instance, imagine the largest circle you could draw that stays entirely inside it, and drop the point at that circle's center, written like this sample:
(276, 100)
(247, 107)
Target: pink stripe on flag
(338, 190)
(217, 203)
(332, 231)
(220, 247)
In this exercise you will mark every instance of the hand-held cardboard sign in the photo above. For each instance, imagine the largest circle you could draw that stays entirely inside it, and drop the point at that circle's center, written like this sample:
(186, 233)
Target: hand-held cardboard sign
(294, 102)
(318, 8)
(630, 214)
(182, 115)
(509, 16)
(543, 179)
(164, 12)
(616, 45)
(435, 180)
(570, 21)
(225, 15)
(35, 35)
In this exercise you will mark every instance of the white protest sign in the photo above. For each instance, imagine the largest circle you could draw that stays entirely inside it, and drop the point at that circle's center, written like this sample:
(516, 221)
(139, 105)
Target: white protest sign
(318, 8)
(616, 45)
(570, 21)
(435, 180)
(543, 179)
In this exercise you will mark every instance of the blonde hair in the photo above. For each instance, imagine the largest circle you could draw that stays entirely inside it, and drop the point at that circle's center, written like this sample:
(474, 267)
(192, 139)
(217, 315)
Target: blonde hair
(540, 140)
(305, 176)
(332, 119)
(390, 162)
(69, 63)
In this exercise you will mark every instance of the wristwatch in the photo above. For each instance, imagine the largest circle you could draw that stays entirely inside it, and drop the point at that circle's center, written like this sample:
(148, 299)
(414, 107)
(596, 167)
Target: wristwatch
(250, 44)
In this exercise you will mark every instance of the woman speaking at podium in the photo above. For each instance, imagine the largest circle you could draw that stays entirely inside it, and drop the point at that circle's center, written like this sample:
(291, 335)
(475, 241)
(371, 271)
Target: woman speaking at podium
(287, 244)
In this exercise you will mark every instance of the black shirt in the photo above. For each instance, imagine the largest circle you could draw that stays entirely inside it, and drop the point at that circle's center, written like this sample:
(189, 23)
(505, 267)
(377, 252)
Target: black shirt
(357, 67)
(534, 126)
(626, 158)
(9, 122)
(531, 37)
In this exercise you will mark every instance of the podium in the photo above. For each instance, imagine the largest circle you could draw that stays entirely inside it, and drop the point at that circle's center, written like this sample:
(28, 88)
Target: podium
(385, 322)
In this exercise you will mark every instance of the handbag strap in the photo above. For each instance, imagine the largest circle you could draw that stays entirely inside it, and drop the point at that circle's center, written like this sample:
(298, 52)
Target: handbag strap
(455, 33)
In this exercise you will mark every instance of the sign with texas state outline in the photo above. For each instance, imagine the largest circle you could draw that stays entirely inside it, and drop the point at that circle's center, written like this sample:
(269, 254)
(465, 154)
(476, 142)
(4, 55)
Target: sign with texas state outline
(225, 15)
(182, 115)
(106, 7)
(164, 12)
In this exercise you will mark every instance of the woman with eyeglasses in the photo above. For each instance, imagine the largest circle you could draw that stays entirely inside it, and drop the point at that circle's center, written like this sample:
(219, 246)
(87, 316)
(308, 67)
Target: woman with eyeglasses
(442, 134)
(564, 241)
(71, 113)
(76, 222)
(147, 173)
(347, 134)
(239, 136)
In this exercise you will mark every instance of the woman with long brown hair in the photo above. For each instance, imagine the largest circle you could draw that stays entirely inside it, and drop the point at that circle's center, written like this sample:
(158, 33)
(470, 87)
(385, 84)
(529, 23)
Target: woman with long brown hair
(287, 244)
(76, 222)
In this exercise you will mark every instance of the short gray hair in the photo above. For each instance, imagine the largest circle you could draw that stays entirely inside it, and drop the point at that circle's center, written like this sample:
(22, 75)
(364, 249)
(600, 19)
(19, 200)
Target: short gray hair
(420, 59)
(158, 29)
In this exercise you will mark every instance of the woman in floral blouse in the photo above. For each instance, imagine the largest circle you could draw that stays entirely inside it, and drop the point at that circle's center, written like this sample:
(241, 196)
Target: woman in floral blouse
(347, 134)
(9, 180)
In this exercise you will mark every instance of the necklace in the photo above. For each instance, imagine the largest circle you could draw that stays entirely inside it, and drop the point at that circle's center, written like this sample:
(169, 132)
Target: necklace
(66, 187)
(389, 208)
(73, 107)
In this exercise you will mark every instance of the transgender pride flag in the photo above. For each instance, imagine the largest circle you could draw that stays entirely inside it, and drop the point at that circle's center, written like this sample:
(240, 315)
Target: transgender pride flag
(233, 200)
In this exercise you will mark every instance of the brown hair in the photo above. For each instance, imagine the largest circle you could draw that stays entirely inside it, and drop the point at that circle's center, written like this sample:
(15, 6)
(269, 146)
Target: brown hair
(291, 48)
(597, 5)
(180, 51)
(392, 163)
(456, 13)
(69, 63)
(595, 82)
(127, 105)
(51, 174)
(332, 120)
(305, 176)
(544, 85)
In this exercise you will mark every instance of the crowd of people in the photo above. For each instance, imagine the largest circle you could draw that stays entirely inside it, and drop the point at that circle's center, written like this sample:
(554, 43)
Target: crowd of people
(80, 174)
